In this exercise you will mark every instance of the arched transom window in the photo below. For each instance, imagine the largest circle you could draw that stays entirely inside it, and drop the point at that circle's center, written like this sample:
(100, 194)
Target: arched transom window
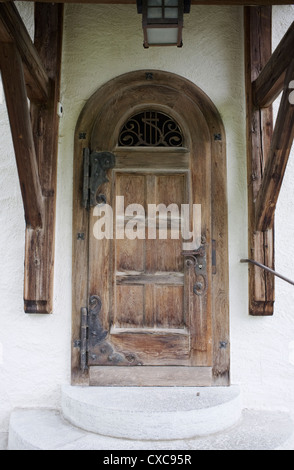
(151, 129)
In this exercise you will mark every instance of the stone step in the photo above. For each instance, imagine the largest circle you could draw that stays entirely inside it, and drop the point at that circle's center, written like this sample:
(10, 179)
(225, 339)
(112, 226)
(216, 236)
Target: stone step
(47, 430)
(152, 413)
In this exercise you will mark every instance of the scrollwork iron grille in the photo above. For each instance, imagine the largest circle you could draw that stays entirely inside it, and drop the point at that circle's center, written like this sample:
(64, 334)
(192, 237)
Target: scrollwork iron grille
(150, 129)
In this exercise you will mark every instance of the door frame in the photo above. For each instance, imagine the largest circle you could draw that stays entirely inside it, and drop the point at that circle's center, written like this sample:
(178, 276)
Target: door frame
(97, 108)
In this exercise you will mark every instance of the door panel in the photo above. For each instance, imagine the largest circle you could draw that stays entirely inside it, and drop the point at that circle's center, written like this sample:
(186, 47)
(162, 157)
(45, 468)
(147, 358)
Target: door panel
(153, 347)
(157, 263)
(152, 312)
(169, 307)
(130, 306)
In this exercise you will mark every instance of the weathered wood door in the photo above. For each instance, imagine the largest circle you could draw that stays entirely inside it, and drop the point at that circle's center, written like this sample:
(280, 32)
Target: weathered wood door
(155, 308)
(149, 288)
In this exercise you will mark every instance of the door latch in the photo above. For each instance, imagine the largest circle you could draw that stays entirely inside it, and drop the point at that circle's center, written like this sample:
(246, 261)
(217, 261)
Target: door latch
(197, 260)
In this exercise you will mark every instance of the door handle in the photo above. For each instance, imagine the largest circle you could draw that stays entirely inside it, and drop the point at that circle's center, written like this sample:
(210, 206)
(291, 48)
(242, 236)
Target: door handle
(197, 259)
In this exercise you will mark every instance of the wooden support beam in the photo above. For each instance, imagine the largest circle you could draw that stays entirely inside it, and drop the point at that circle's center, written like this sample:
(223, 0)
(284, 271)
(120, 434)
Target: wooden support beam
(18, 111)
(13, 30)
(35, 136)
(278, 158)
(39, 250)
(270, 82)
(258, 27)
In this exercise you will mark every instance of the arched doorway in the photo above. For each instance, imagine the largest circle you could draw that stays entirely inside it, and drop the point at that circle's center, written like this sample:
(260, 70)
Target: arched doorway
(152, 311)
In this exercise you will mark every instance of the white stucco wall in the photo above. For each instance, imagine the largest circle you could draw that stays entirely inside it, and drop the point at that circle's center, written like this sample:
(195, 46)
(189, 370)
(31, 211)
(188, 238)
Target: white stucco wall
(101, 42)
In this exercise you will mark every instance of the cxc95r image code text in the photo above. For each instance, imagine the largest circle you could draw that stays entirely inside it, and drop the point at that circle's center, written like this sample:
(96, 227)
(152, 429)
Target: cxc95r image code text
(152, 459)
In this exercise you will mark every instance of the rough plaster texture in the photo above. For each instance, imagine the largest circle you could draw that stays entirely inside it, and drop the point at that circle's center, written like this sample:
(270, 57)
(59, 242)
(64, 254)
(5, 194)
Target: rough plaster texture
(101, 42)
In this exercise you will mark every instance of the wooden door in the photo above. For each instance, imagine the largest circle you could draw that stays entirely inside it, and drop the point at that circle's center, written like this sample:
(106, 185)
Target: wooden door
(149, 295)
(155, 316)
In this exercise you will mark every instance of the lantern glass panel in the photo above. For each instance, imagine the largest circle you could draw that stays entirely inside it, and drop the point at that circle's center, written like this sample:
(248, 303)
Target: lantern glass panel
(171, 12)
(162, 36)
(171, 3)
(154, 12)
(155, 3)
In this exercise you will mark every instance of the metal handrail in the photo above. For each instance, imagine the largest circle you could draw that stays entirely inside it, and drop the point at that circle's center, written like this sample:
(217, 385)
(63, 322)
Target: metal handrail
(266, 268)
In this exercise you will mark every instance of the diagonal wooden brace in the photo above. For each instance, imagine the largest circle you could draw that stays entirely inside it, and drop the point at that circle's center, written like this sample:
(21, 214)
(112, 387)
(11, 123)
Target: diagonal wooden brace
(22, 135)
(13, 30)
(277, 160)
(33, 70)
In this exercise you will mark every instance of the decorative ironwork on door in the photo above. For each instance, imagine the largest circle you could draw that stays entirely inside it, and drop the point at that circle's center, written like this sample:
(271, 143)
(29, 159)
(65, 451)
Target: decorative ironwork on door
(151, 129)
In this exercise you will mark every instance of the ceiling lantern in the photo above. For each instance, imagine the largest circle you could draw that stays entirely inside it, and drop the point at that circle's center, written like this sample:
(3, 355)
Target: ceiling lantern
(163, 21)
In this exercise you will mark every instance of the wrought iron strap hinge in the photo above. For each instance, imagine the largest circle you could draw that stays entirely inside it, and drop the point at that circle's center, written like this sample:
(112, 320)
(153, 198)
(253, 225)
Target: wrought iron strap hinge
(82, 343)
(87, 330)
(90, 327)
(213, 246)
(84, 339)
(96, 165)
(94, 345)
